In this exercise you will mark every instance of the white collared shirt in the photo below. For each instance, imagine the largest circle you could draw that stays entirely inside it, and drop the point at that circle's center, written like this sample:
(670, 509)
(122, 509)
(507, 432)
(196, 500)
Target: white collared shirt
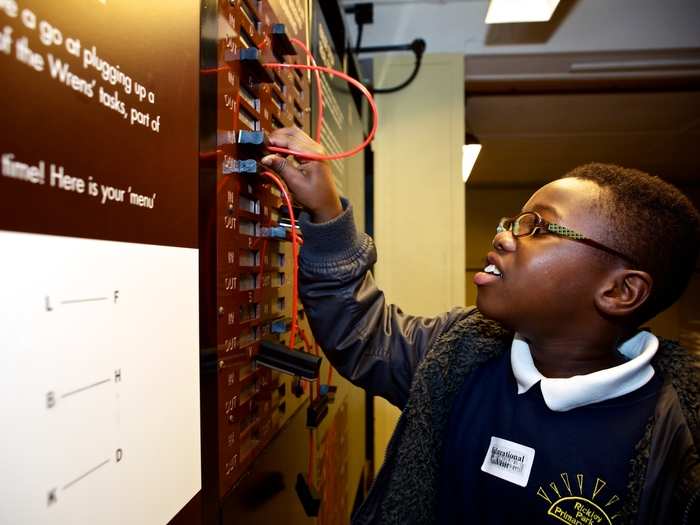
(562, 394)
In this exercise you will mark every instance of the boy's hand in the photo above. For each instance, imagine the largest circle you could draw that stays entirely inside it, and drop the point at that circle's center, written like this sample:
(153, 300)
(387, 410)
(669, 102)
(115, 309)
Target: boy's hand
(311, 182)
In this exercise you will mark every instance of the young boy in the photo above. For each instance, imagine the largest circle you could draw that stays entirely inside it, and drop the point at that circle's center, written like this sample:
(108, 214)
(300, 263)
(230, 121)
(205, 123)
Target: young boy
(546, 404)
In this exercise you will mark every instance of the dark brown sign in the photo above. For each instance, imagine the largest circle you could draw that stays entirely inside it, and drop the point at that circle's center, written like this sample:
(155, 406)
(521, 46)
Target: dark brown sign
(99, 119)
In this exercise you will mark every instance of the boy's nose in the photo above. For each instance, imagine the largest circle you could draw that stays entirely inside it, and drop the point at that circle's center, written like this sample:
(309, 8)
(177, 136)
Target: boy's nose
(504, 241)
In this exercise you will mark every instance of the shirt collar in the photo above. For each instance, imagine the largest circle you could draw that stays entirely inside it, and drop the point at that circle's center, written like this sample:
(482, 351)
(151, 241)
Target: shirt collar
(561, 394)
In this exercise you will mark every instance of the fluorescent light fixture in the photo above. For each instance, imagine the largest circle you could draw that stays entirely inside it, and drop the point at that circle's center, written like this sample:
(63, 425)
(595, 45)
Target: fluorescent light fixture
(469, 154)
(513, 11)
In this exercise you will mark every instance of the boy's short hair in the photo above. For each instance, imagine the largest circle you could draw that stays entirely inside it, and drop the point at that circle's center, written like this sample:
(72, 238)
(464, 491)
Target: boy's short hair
(652, 222)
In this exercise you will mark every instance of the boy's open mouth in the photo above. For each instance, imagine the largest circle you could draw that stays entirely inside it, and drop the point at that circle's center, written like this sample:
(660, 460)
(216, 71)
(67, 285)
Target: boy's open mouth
(491, 273)
(491, 269)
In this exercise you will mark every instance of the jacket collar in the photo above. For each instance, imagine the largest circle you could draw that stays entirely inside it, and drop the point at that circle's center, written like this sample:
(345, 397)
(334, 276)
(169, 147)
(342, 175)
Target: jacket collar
(562, 394)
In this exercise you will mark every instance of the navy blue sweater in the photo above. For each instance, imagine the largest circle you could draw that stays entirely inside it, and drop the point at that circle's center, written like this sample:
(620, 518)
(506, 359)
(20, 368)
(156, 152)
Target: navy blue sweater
(579, 468)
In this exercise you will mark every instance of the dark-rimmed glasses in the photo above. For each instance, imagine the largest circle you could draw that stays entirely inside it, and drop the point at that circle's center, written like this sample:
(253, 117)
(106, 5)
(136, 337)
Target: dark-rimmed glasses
(531, 223)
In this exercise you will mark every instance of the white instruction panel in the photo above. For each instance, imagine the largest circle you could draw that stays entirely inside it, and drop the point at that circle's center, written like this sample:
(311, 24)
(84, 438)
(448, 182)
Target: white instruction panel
(98, 381)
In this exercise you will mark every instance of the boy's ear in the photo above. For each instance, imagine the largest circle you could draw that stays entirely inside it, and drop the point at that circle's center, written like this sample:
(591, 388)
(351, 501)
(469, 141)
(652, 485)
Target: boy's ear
(624, 292)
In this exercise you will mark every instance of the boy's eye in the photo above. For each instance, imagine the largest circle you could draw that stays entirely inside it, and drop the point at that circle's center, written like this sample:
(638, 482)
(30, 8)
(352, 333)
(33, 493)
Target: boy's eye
(524, 225)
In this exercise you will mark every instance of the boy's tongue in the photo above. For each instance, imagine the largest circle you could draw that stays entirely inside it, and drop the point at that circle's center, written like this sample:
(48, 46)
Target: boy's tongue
(481, 278)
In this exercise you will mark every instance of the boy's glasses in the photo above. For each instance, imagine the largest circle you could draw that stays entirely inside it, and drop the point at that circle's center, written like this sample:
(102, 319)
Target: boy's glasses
(531, 223)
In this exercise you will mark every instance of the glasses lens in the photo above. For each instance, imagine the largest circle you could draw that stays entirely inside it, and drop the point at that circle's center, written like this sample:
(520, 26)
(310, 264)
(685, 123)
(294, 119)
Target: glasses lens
(524, 224)
(504, 225)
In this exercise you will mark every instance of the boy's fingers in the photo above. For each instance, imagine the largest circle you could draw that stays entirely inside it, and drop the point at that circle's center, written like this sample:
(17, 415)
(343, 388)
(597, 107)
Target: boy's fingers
(295, 140)
(279, 137)
(282, 136)
(291, 175)
(275, 162)
(304, 144)
(310, 167)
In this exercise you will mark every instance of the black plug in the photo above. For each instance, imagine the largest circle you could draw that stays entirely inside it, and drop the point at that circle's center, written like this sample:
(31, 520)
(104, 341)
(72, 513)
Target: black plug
(297, 387)
(364, 13)
(309, 497)
(250, 59)
(279, 357)
(317, 411)
(329, 390)
(281, 44)
(418, 47)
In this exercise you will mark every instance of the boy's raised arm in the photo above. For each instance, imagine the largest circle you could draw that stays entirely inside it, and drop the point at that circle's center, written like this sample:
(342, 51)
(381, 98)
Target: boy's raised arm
(371, 343)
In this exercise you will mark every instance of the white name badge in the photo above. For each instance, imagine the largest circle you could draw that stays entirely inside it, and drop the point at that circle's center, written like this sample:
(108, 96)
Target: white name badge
(509, 461)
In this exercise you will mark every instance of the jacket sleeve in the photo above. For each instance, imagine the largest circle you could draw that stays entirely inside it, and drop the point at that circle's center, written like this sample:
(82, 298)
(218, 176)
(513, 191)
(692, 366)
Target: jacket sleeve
(371, 343)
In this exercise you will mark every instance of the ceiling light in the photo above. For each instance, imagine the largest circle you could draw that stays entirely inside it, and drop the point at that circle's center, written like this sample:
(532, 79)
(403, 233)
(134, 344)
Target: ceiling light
(469, 154)
(513, 11)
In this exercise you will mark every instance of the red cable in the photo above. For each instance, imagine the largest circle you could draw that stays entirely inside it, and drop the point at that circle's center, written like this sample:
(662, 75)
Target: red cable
(330, 71)
(210, 154)
(347, 78)
(295, 255)
(307, 343)
(311, 156)
(212, 70)
(319, 87)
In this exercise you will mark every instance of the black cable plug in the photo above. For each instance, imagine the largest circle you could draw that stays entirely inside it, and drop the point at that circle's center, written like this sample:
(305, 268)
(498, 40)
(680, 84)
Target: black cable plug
(279, 357)
(309, 497)
(317, 411)
(281, 44)
(364, 14)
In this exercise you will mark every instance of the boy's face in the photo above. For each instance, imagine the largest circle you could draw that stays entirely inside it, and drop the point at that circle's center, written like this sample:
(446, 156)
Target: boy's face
(548, 282)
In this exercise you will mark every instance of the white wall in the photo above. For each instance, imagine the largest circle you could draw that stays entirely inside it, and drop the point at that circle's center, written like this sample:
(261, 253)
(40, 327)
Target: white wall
(587, 25)
(419, 195)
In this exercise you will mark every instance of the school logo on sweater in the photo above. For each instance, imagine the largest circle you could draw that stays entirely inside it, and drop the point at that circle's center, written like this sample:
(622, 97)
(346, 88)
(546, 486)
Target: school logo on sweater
(585, 503)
